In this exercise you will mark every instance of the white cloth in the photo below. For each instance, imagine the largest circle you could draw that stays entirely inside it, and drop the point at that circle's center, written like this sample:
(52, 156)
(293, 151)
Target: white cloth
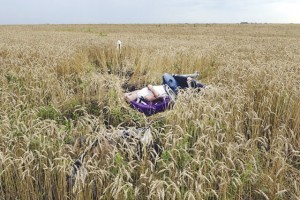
(158, 88)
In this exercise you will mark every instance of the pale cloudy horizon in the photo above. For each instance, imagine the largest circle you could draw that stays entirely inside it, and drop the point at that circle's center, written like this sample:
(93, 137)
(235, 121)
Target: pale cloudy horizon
(145, 11)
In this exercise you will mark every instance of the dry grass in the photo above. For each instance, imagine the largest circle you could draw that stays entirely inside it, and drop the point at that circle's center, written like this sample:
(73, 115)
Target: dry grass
(61, 87)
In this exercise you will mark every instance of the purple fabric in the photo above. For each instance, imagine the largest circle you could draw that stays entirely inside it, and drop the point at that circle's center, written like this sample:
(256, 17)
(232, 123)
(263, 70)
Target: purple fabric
(151, 107)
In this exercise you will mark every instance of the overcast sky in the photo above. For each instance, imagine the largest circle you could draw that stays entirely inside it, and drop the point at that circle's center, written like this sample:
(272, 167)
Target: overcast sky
(148, 11)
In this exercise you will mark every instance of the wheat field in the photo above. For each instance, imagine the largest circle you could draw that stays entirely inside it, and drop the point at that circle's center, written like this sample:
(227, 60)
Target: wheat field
(61, 88)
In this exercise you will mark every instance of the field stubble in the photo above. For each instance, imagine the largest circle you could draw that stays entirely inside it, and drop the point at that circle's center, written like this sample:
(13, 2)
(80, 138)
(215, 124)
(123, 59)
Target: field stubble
(62, 87)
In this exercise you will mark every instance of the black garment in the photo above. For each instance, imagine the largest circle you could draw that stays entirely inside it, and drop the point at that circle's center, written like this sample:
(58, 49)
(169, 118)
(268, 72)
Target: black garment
(176, 82)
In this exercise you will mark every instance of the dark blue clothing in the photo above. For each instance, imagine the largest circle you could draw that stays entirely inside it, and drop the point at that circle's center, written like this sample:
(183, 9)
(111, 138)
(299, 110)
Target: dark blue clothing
(178, 81)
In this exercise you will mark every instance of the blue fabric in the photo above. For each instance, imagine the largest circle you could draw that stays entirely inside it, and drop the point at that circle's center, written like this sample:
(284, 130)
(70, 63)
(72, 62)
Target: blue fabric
(179, 81)
(170, 81)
